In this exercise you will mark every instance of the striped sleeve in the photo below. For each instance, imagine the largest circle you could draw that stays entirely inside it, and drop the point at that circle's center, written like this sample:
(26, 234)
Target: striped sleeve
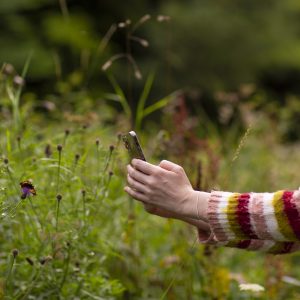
(265, 246)
(255, 216)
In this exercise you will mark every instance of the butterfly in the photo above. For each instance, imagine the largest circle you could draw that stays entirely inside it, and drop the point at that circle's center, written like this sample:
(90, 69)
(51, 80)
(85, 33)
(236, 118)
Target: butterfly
(27, 189)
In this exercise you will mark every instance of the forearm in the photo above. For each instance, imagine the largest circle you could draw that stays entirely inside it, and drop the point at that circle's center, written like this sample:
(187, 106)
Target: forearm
(263, 216)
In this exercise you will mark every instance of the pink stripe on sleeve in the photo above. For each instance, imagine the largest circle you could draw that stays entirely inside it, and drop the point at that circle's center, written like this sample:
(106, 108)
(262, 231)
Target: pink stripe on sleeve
(213, 215)
(256, 210)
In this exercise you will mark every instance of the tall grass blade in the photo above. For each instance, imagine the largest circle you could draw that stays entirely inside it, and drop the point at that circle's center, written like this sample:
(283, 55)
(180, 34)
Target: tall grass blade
(158, 105)
(122, 98)
(142, 101)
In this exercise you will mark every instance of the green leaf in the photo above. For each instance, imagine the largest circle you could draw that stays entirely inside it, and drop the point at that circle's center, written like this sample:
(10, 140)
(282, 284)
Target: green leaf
(158, 105)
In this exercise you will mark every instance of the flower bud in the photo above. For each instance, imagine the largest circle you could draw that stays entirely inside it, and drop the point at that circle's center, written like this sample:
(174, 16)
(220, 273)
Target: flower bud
(15, 252)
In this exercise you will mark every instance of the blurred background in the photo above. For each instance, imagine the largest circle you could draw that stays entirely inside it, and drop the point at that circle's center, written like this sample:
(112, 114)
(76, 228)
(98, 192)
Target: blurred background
(211, 85)
(218, 54)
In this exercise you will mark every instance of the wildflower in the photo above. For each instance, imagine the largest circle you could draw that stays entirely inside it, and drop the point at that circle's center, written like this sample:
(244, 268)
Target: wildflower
(111, 148)
(253, 287)
(5, 161)
(59, 148)
(97, 142)
(67, 132)
(27, 189)
(59, 197)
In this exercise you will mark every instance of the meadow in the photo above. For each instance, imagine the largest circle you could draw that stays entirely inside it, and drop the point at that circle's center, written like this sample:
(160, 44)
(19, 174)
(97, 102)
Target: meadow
(82, 237)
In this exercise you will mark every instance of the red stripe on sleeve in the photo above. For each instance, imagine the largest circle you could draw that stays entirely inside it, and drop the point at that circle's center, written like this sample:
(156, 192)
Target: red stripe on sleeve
(243, 216)
(244, 244)
(291, 212)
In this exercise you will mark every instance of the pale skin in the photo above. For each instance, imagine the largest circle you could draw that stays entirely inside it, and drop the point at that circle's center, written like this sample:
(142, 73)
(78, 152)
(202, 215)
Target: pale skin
(166, 191)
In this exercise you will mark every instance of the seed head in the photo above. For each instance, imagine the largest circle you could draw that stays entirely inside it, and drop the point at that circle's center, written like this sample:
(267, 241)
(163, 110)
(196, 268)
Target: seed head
(83, 192)
(67, 132)
(77, 156)
(15, 252)
(48, 151)
(119, 136)
(8, 69)
(162, 18)
(97, 142)
(45, 259)
(138, 74)
(18, 80)
(30, 261)
(58, 197)
(59, 148)
(5, 160)
(19, 139)
(111, 148)
(106, 65)
(111, 173)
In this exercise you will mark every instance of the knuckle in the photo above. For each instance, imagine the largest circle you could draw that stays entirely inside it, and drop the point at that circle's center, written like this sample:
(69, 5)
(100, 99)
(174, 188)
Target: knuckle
(137, 163)
(156, 172)
(151, 183)
(179, 169)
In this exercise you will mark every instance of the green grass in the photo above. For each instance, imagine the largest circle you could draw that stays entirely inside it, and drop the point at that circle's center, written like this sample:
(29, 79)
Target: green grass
(96, 243)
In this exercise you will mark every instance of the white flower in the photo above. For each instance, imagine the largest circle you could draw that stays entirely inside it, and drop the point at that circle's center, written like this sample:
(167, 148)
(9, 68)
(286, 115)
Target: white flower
(251, 287)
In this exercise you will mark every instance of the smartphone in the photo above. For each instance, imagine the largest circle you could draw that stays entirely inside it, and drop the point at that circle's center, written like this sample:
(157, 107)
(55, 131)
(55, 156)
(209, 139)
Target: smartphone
(133, 146)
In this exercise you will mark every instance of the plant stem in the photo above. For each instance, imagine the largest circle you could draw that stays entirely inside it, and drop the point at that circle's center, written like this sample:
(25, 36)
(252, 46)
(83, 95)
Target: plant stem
(57, 215)
(31, 286)
(66, 270)
(84, 208)
(58, 172)
(9, 272)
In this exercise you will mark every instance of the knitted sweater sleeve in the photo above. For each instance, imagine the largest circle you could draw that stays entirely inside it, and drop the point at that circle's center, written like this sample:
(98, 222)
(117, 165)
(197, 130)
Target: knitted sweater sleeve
(268, 222)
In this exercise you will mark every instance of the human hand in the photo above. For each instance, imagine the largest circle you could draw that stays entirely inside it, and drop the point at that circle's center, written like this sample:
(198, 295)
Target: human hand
(165, 186)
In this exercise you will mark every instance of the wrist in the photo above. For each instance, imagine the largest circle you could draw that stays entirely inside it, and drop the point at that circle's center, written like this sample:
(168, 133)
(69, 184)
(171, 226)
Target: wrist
(197, 205)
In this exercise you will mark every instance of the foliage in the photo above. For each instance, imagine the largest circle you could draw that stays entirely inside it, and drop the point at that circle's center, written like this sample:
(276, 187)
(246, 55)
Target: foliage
(81, 237)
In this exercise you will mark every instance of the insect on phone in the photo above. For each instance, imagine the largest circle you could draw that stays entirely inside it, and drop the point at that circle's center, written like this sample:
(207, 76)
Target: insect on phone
(133, 146)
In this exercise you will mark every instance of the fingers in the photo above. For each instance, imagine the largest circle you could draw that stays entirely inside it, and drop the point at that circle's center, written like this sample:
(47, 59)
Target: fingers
(135, 194)
(137, 175)
(169, 166)
(144, 166)
(136, 185)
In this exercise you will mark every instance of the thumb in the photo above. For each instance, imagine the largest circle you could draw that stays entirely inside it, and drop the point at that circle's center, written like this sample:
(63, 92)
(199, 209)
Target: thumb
(169, 166)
